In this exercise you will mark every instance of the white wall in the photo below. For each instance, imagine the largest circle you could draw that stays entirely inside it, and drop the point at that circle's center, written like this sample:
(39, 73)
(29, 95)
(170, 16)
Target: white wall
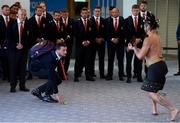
(25, 4)
(127, 5)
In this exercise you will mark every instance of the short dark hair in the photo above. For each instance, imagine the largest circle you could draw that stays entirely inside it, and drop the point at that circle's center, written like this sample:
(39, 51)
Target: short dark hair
(4, 6)
(143, 2)
(42, 2)
(65, 10)
(59, 45)
(111, 8)
(84, 9)
(38, 6)
(56, 11)
(135, 6)
(153, 23)
(97, 7)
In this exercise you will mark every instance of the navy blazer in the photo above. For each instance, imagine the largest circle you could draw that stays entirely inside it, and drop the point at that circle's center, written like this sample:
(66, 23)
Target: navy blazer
(111, 31)
(13, 36)
(80, 33)
(35, 31)
(51, 64)
(69, 30)
(178, 33)
(3, 30)
(130, 30)
(101, 32)
(52, 33)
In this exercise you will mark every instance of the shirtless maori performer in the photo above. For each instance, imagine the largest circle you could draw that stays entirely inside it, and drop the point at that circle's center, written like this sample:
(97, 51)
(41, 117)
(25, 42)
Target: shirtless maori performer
(157, 68)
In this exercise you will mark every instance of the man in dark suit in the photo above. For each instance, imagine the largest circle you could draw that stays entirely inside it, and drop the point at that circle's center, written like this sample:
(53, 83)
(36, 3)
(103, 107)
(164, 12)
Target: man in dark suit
(4, 20)
(51, 60)
(178, 43)
(68, 35)
(83, 35)
(45, 14)
(134, 28)
(98, 44)
(147, 16)
(55, 29)
(17, 42)
(37, 25)
(115, 33)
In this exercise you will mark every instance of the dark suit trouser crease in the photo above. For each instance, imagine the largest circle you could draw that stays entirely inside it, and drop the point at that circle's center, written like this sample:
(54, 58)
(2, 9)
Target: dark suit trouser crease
(137, 64)
(100, 49)
(51, 87)
(179, 57)
(119, 51)
(83, 59)
(17, 67)
(68, 57)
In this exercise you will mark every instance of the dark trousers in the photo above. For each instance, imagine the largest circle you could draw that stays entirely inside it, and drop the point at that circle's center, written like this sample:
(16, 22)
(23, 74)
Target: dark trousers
(179, 58)
(68, 57)
(5, 66)
(117, 49)
(51, 86)
(83, 59)
(100, 49)
(17, 67)
(137, 64)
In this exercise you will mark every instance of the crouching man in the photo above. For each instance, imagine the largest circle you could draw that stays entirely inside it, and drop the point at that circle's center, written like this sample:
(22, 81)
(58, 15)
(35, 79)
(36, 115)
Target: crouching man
(51, 60)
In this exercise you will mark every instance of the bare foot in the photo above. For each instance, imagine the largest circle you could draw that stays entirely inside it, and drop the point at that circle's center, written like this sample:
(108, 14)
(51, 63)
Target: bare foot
(174, 113)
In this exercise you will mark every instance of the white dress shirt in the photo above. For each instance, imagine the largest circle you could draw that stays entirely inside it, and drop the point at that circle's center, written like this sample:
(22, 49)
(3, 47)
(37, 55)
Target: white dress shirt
(19, 30)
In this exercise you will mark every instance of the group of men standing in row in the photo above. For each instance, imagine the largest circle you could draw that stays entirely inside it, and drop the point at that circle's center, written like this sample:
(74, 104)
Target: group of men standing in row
(19, 34)
(92, 34)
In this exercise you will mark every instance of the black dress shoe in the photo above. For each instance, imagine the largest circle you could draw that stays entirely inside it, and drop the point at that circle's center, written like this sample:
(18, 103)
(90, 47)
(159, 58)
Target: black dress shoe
(139, 79)
(121, 78)
(13, 90)
(177, 74)
(128, 80)
(76, 80)
(102, 77)
(94, 75)
(108, 78)
(90, 79)
(24, 89)
(29, 77)
(36, 93)
(135, 76)
(48, 98)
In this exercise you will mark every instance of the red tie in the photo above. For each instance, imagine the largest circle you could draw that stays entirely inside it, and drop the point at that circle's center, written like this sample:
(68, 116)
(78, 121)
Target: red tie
(65, 22)
(97, 24)
(85, 25)
(7, 21)
(39, 21)
(135, 23)
(58, 26)
(63, 70)
(116, 25)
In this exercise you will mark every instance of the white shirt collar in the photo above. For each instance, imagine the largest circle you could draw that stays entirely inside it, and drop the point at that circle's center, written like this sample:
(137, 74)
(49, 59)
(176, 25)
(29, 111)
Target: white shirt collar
(134, 16)
(115, 18)
(18, 20)
(5, 17)
(83, 19)
(96, 17)
(58, 57)
(143, 13)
